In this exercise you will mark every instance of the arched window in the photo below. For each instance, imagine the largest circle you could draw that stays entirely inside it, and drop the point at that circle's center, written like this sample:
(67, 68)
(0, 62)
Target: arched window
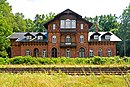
(44, 53)
(91, 53)
(36, 52)
(100, 52)
(81, 52)
(81, 38)
(54, 52)
(68, 53)
(68, 39)
(27, 52)
(53, 39)
(109, 53)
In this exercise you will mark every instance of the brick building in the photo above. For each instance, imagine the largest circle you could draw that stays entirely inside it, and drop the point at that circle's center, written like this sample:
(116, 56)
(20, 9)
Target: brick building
(67, 35)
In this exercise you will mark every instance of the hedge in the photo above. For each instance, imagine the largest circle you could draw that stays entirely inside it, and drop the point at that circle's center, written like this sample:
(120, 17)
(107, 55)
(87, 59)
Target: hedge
(85, 61)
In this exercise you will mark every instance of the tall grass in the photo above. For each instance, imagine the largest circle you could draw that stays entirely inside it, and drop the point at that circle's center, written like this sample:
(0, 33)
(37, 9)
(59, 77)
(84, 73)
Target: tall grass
(62, 80)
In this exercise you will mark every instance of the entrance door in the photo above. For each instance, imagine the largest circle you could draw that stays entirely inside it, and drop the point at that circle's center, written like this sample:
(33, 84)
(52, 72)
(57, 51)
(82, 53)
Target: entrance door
(54, 52)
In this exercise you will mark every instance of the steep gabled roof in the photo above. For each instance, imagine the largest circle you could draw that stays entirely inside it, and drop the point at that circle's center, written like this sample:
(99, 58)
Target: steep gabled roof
(67, 11)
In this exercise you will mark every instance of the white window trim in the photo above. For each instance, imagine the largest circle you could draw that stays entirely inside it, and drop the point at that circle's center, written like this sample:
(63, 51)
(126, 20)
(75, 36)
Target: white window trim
(81, 39)
(67, 23)
(39, 37)
(27, 52)
(96, 37)
(53, 26)
(91, 53)
(53, 39)
(28, 37)
(81, 26)
(67, 53)
(44, 53)
(107, 37)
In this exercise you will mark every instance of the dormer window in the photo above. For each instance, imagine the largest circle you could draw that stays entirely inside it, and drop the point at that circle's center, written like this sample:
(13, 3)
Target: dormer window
(107, 37)
(96, 37)
(28, 37)
(40, 37)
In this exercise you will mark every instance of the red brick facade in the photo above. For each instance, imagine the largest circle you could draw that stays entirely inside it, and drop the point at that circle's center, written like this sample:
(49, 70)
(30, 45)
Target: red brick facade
(75, 48)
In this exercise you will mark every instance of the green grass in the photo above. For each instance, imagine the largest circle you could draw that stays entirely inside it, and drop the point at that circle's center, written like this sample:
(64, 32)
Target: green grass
(62, 80)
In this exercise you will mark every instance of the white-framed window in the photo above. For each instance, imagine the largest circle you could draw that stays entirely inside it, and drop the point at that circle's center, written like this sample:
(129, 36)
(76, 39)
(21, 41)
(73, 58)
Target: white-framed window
(53, 39)
(107, 37)
(53, 26)
(91, 53)
(81, 26)
(100, 52)
(39, 37)
(81, 38)
(44, 53)
(68, 53)
(109, 52)
(28, 37)
(73, 23)
(27, 52)
(96, 37)
(67, 23)
(68, 39)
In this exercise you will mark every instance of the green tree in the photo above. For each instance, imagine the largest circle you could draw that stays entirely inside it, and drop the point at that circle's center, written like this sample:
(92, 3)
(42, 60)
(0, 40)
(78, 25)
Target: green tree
(104, 23)
(40, 20)
(124, 32)
(19, 23)
(6, 26)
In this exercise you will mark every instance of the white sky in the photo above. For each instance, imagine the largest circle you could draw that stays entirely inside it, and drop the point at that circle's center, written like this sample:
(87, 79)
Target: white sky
(89, 8)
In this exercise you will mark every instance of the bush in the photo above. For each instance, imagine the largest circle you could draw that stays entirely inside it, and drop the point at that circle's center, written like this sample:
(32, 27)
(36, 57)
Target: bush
(94, 60)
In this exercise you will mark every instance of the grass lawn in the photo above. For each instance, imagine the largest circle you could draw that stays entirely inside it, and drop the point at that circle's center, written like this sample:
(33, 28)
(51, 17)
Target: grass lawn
(62, 80)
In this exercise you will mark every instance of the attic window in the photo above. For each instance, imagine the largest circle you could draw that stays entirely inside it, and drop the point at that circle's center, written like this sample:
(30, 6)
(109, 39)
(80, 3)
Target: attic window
(67, 23)
(28, 37)
(96, 36)
(40, 37)
(107, 37)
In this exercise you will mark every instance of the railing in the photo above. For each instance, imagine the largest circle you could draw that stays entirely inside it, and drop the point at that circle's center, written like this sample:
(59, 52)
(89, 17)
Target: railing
(65, 44)
(68, 30)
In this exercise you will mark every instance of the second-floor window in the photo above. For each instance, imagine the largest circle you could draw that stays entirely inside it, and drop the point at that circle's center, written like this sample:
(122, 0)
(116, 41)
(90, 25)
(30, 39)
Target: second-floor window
(67, 23)
(81, 26)
(54, 26)
(81, 38)
(68, 39)
(53, 39)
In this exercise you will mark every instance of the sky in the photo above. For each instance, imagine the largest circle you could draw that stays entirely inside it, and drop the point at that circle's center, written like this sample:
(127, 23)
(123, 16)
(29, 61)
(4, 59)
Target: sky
(88, 8)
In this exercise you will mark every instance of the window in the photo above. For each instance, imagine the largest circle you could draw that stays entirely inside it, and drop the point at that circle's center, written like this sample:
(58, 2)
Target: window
(40, 37)
(81, 26)
(44, 53)
(28, 37)
(107, 37)
(81, 38)
(54, 52)
(91, 53)
(27, 52)
(100, 52)
(67, 23)
(54, 26)
(96, 36)
(36, 52)
(81, 52)
(109, 53)
(53, 39)
(68, 39)
(68, 53)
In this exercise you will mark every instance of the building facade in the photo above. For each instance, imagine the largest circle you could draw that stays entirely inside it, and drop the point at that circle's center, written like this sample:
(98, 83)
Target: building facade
(67, 35)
